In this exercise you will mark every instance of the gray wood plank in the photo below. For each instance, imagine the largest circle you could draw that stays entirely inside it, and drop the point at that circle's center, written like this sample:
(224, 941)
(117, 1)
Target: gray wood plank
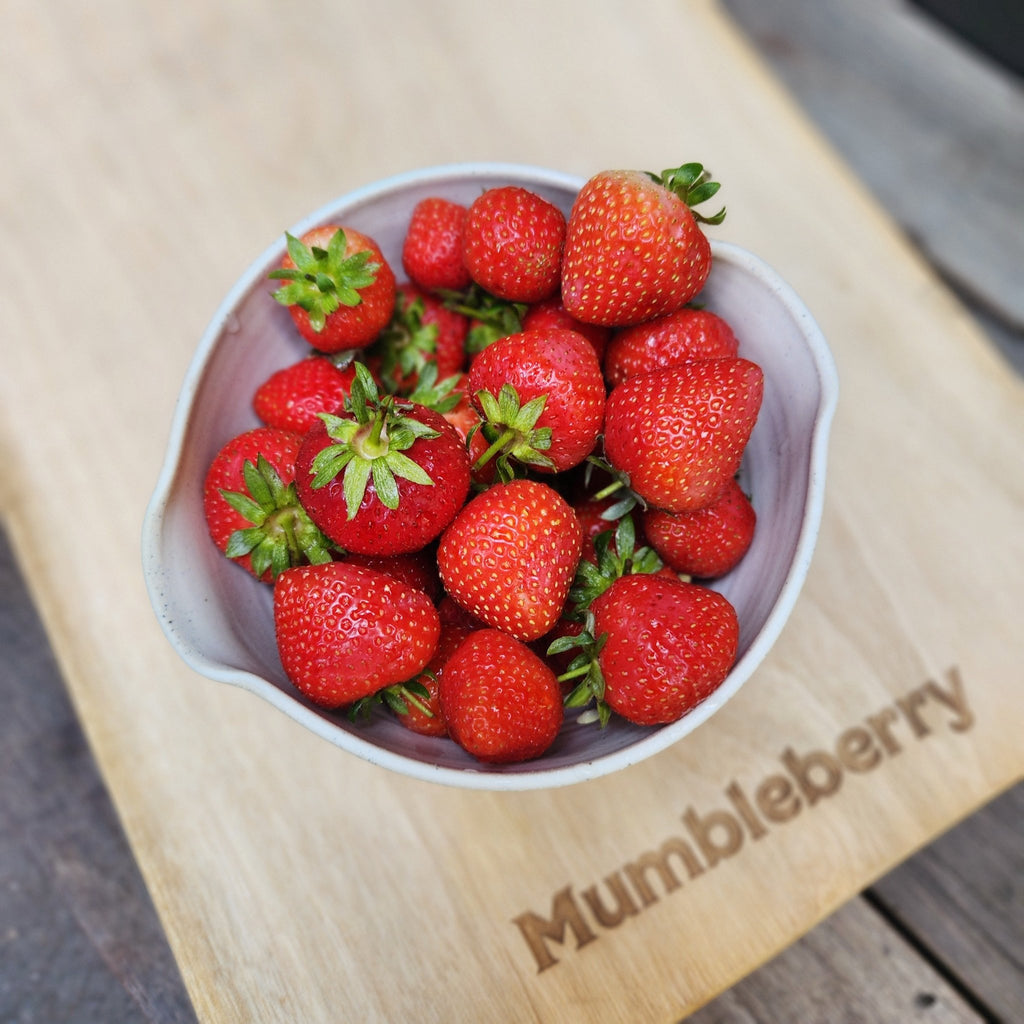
(933, 128)
(853, 968)
(962, 898)
(80, 942)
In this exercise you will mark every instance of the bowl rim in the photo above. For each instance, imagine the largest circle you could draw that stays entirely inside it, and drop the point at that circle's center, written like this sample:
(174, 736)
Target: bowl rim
(513, 778)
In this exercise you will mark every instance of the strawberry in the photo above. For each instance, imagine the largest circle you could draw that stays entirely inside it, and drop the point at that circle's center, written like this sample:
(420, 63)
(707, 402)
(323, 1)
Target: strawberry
(509, 555)
(344, 632)
(416, 568)
(654, 647)
(453, 614)
(707, 542)
(464, 417)
(500, 701)
(291, 398)
(432, 248)
(552, 313)
(542, 395)
(419, 710)
(512, 245)
(668, 340)
(385, 477)
(251, 506)
(634, 248)
(678, 435)
(422, 331)
(339, 288)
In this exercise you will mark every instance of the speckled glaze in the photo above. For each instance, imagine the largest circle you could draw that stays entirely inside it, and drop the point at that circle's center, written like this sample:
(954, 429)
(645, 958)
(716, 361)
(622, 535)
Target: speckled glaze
(220, 620)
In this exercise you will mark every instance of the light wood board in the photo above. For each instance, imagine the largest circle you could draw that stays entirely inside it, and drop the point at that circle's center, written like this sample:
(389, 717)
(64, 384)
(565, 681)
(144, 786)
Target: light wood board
(150, 152)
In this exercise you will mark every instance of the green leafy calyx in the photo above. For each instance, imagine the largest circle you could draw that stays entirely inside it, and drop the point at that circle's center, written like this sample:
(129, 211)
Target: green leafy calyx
(511, 430)
(399, 697)
(406, 346)
(370, 443)
(440, 395)
(617, 555)
(323, 280)
(492, 318)
(281, 534)
(693, 184)
(584, 671)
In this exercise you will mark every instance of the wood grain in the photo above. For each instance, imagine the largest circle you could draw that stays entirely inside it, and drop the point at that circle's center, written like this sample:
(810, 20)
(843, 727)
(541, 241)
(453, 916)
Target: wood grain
(163, 148)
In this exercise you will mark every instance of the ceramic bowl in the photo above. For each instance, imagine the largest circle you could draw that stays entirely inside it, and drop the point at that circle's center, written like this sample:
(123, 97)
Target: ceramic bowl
(219, 618)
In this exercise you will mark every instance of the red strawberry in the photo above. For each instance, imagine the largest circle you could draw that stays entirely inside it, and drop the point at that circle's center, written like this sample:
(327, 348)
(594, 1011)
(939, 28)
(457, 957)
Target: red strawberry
(513, 244)
(509, 557)
(432, 249)
(416, 568)
(543, 394)
(669, 340)
(291, 398)
(422, 331)
(679, 434)
(652, 648)
(707, 542)
(551, 313)
(344, 632)
(338, 287)
(668, 646)
(634, 249)
(453, 614)
(420, 710)
(385, 477)
(251, 506)
(464, 417)
(500, 700)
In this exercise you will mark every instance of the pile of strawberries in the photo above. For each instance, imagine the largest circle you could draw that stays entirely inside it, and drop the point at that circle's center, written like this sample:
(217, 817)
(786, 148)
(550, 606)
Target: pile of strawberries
(497, 488)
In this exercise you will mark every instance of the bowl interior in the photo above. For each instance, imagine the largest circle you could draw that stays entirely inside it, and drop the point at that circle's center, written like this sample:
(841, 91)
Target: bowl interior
(220, 620)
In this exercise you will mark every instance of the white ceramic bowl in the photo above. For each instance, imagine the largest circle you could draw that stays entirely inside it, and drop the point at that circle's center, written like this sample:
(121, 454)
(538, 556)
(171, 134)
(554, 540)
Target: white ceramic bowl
(220, 621)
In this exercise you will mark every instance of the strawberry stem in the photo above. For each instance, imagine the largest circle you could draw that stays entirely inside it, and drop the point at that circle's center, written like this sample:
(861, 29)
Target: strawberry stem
(605, 492)
(510, 428)
(586, 667)
(503, 441)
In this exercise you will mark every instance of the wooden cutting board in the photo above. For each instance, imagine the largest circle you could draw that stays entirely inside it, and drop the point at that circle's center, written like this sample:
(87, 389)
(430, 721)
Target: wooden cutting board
(150, 152)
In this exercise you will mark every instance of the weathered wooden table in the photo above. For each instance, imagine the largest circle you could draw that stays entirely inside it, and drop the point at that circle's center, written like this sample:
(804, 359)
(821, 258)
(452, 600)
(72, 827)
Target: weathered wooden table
(148, 155)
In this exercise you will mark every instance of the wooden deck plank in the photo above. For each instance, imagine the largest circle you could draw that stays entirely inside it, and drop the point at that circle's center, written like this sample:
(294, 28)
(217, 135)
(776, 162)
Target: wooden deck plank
(962, 897)
(79, 938)
(854, 968)
(937, 131)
